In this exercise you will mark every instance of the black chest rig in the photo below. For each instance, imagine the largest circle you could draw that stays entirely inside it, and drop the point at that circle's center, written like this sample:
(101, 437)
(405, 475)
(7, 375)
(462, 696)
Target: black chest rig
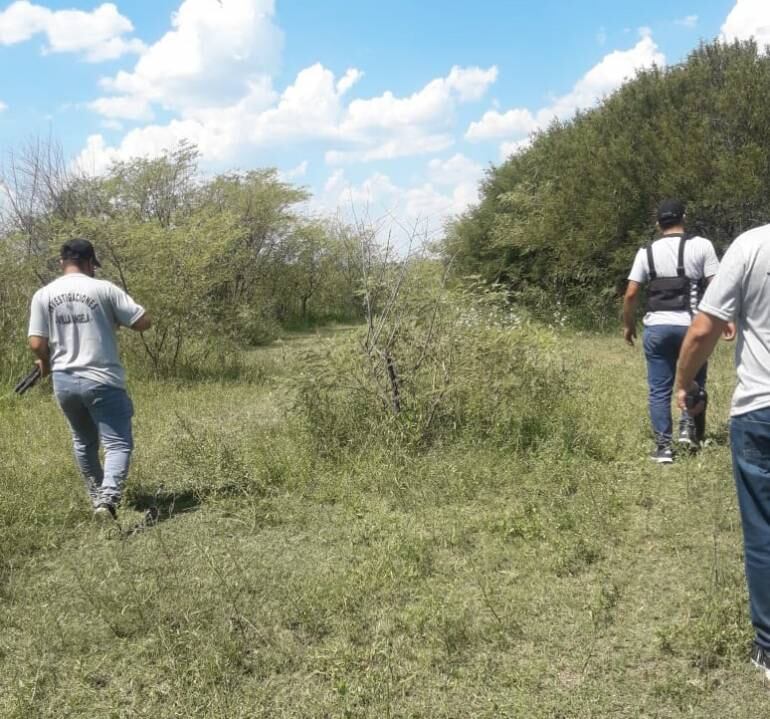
(669, 294)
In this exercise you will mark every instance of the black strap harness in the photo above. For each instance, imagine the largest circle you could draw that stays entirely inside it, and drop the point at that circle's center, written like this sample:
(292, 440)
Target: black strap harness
(669, 294)
(679, 262)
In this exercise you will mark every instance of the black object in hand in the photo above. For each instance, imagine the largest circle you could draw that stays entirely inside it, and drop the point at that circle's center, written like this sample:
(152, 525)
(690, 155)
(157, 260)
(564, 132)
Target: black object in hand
(694, 397)
(29, 381)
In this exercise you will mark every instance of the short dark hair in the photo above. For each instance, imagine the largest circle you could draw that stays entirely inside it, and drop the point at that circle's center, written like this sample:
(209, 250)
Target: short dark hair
(670, 213)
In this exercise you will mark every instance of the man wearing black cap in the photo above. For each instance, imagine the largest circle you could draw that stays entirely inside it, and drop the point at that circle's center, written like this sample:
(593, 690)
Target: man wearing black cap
(72, 331)
(675, 267)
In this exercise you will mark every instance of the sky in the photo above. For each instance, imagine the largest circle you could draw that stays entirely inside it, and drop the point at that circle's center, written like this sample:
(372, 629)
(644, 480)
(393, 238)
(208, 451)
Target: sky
(391, 108)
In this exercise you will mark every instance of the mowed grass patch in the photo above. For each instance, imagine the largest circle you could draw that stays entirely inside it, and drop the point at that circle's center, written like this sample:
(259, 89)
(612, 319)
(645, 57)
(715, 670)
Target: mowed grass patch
(579, 580)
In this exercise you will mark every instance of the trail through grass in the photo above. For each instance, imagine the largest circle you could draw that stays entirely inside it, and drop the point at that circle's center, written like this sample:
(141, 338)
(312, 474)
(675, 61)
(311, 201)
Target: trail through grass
(460, 582)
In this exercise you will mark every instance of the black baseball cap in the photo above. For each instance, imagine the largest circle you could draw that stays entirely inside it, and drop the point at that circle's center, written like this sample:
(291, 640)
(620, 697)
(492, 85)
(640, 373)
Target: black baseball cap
(79, 250)
(670, 212)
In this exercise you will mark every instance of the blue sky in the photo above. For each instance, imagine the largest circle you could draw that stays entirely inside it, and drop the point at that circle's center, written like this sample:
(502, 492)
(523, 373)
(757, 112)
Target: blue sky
(396, 105)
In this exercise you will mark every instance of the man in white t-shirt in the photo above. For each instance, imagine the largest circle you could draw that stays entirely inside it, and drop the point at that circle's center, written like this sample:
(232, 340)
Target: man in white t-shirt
(72, 331)
(674, 268)
(740, 293)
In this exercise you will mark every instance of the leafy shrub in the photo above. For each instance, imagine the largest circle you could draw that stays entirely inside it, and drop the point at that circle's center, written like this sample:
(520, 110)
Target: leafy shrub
(209, 462)
(466, 368)
(16, 288)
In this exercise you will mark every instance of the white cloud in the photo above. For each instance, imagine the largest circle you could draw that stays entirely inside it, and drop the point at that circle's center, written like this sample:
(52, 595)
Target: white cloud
(126, 108)
(95, 158)
(335, 183)
(311, 108)
(471, 83)
(433, 103)
(211, 56)
(113, 125)
(456, 170)
(519, 121)
(606, 76)
(514, 147)
(350, 78)
(308, 108)
(97, 35)
(748, 19)
(3, 106)
(423, 207)
(296, 172)
(388, 127)
(406, 144)
(690, 22)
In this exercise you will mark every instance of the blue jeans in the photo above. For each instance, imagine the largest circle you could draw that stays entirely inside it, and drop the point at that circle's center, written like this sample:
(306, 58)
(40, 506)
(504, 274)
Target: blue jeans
(97, 414)
(661, 349)
(750, 441)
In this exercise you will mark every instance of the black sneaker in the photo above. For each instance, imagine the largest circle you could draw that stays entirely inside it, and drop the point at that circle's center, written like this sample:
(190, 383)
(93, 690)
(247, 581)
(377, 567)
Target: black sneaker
(105, 511)
(760, 658)
(662, 454)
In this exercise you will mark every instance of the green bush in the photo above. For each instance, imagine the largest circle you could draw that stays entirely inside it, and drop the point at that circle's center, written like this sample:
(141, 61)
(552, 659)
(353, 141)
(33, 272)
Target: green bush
(469, 369)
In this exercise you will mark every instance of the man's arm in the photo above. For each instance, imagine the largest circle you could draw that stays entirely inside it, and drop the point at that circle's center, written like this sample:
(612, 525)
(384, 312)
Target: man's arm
(630, 301)
(39, 347)
(699, 343)
(730, 330)
(142, 324)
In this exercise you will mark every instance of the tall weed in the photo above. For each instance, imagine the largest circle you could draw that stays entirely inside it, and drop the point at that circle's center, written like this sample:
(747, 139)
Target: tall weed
(462, 368)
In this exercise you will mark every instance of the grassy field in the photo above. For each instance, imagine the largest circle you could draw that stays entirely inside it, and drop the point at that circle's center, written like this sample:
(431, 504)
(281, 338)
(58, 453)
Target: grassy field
(462, 581)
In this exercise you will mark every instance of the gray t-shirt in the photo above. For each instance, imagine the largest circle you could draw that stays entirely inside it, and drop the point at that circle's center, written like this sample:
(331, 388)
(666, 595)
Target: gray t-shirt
(741, 292)
(700, 261)
(80, 315)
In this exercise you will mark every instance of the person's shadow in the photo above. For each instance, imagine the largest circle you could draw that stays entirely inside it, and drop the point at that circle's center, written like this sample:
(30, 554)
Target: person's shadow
(719, 435)
(160, 506)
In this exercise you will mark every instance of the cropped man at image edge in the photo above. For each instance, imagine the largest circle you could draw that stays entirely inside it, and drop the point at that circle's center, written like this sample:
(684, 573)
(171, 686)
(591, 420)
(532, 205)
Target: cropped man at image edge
(740, 293)
(675, 266)
(72, 332)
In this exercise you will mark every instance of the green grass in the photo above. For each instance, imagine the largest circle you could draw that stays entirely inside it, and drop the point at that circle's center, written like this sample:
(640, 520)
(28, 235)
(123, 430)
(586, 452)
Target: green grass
(464, 581)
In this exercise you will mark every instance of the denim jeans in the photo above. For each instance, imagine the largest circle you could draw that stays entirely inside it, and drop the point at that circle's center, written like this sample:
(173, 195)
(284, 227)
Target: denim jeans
(97, 414)
(661, 349)
(750, 441)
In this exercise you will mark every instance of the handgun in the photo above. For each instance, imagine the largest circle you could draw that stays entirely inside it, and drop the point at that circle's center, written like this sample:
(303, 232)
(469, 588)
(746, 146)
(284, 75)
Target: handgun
(694, 397)
(29, 381)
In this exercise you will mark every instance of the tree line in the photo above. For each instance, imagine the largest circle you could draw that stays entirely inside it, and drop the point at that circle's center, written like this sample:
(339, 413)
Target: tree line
(224, 260)
(559, 223)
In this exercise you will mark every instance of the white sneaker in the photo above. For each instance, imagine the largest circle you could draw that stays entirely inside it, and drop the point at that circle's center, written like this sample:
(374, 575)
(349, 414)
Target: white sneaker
(760, 658)
(105, 512)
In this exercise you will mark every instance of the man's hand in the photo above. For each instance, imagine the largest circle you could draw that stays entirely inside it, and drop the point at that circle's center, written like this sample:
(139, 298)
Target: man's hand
(39, 347)
(699, 343)
(686, 397)
(729, 332)
(629, 312)
(44, 366)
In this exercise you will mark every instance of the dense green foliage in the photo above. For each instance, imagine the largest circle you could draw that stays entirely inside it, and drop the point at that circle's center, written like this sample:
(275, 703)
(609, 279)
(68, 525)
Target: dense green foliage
(466, 369)
(218, 262)
(560, 222)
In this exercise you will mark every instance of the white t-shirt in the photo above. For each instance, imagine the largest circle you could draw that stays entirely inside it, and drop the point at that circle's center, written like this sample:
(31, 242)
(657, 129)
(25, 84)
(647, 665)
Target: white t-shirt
(741, 292)
(700, 260)
(79, 315)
